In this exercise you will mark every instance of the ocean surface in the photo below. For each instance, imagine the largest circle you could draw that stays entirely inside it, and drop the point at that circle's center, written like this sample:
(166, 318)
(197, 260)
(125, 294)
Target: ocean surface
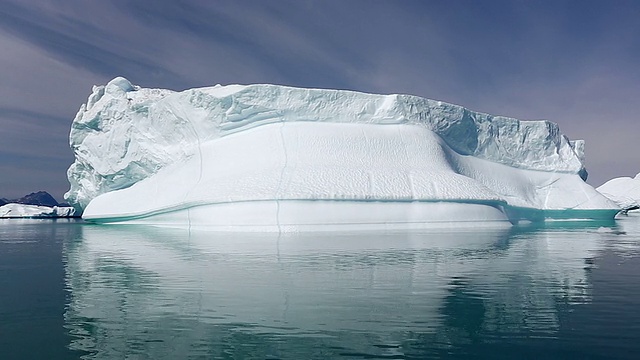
(73, 290)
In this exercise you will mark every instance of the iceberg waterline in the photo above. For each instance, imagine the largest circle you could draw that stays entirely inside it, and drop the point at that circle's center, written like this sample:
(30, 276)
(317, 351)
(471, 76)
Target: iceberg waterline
(267, 156)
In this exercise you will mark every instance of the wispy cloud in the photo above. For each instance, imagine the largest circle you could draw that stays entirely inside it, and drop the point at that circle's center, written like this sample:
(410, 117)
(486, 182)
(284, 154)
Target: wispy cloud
(81, 41)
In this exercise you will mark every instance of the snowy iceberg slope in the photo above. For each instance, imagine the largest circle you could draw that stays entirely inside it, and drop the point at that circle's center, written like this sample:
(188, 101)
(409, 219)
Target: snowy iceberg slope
(271, 156)
(624, 191)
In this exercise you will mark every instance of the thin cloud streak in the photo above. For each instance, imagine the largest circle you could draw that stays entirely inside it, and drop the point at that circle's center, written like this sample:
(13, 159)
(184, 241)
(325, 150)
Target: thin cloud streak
(78, 43)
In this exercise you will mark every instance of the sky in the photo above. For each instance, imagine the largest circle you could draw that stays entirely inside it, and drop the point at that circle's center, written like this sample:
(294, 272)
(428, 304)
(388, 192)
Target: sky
(576, 63)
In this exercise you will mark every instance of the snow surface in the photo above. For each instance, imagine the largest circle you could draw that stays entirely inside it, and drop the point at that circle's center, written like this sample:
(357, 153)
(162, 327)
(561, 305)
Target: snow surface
(624, 191)
(267, 156)
(13, 210)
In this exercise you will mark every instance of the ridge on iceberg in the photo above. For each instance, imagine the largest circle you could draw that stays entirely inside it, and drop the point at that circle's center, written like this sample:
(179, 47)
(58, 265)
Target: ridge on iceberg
(624, 191)
(268, 156)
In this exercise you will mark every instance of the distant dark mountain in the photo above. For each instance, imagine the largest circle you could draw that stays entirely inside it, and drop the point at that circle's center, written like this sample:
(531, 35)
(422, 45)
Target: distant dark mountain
(3, 201)
(37, 198)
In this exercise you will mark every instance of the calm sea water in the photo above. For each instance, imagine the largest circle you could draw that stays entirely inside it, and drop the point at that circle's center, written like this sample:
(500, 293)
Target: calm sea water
(74, 290)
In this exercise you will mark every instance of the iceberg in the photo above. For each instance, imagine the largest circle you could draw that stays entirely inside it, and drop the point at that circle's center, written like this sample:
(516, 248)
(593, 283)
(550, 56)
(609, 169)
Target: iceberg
(268, 157)
(624, 191)
(35, 205)
(14, 210)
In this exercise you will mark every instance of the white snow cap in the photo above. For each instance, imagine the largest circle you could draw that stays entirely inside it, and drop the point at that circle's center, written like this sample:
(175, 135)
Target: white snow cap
(119, 85)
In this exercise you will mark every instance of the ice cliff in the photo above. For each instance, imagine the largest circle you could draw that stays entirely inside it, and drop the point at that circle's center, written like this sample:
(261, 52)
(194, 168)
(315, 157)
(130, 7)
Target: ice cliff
(270, 155)
(624, 191)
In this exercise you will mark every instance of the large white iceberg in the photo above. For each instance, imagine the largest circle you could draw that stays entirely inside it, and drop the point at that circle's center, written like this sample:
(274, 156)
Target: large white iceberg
(266, 157)
(624, 191)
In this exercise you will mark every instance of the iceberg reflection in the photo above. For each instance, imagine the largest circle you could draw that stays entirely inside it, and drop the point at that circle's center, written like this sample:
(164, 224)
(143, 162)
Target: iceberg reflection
(162, 293)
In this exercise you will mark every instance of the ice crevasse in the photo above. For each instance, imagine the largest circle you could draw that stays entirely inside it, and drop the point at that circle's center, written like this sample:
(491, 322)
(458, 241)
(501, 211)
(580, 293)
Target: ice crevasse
(269, 157)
